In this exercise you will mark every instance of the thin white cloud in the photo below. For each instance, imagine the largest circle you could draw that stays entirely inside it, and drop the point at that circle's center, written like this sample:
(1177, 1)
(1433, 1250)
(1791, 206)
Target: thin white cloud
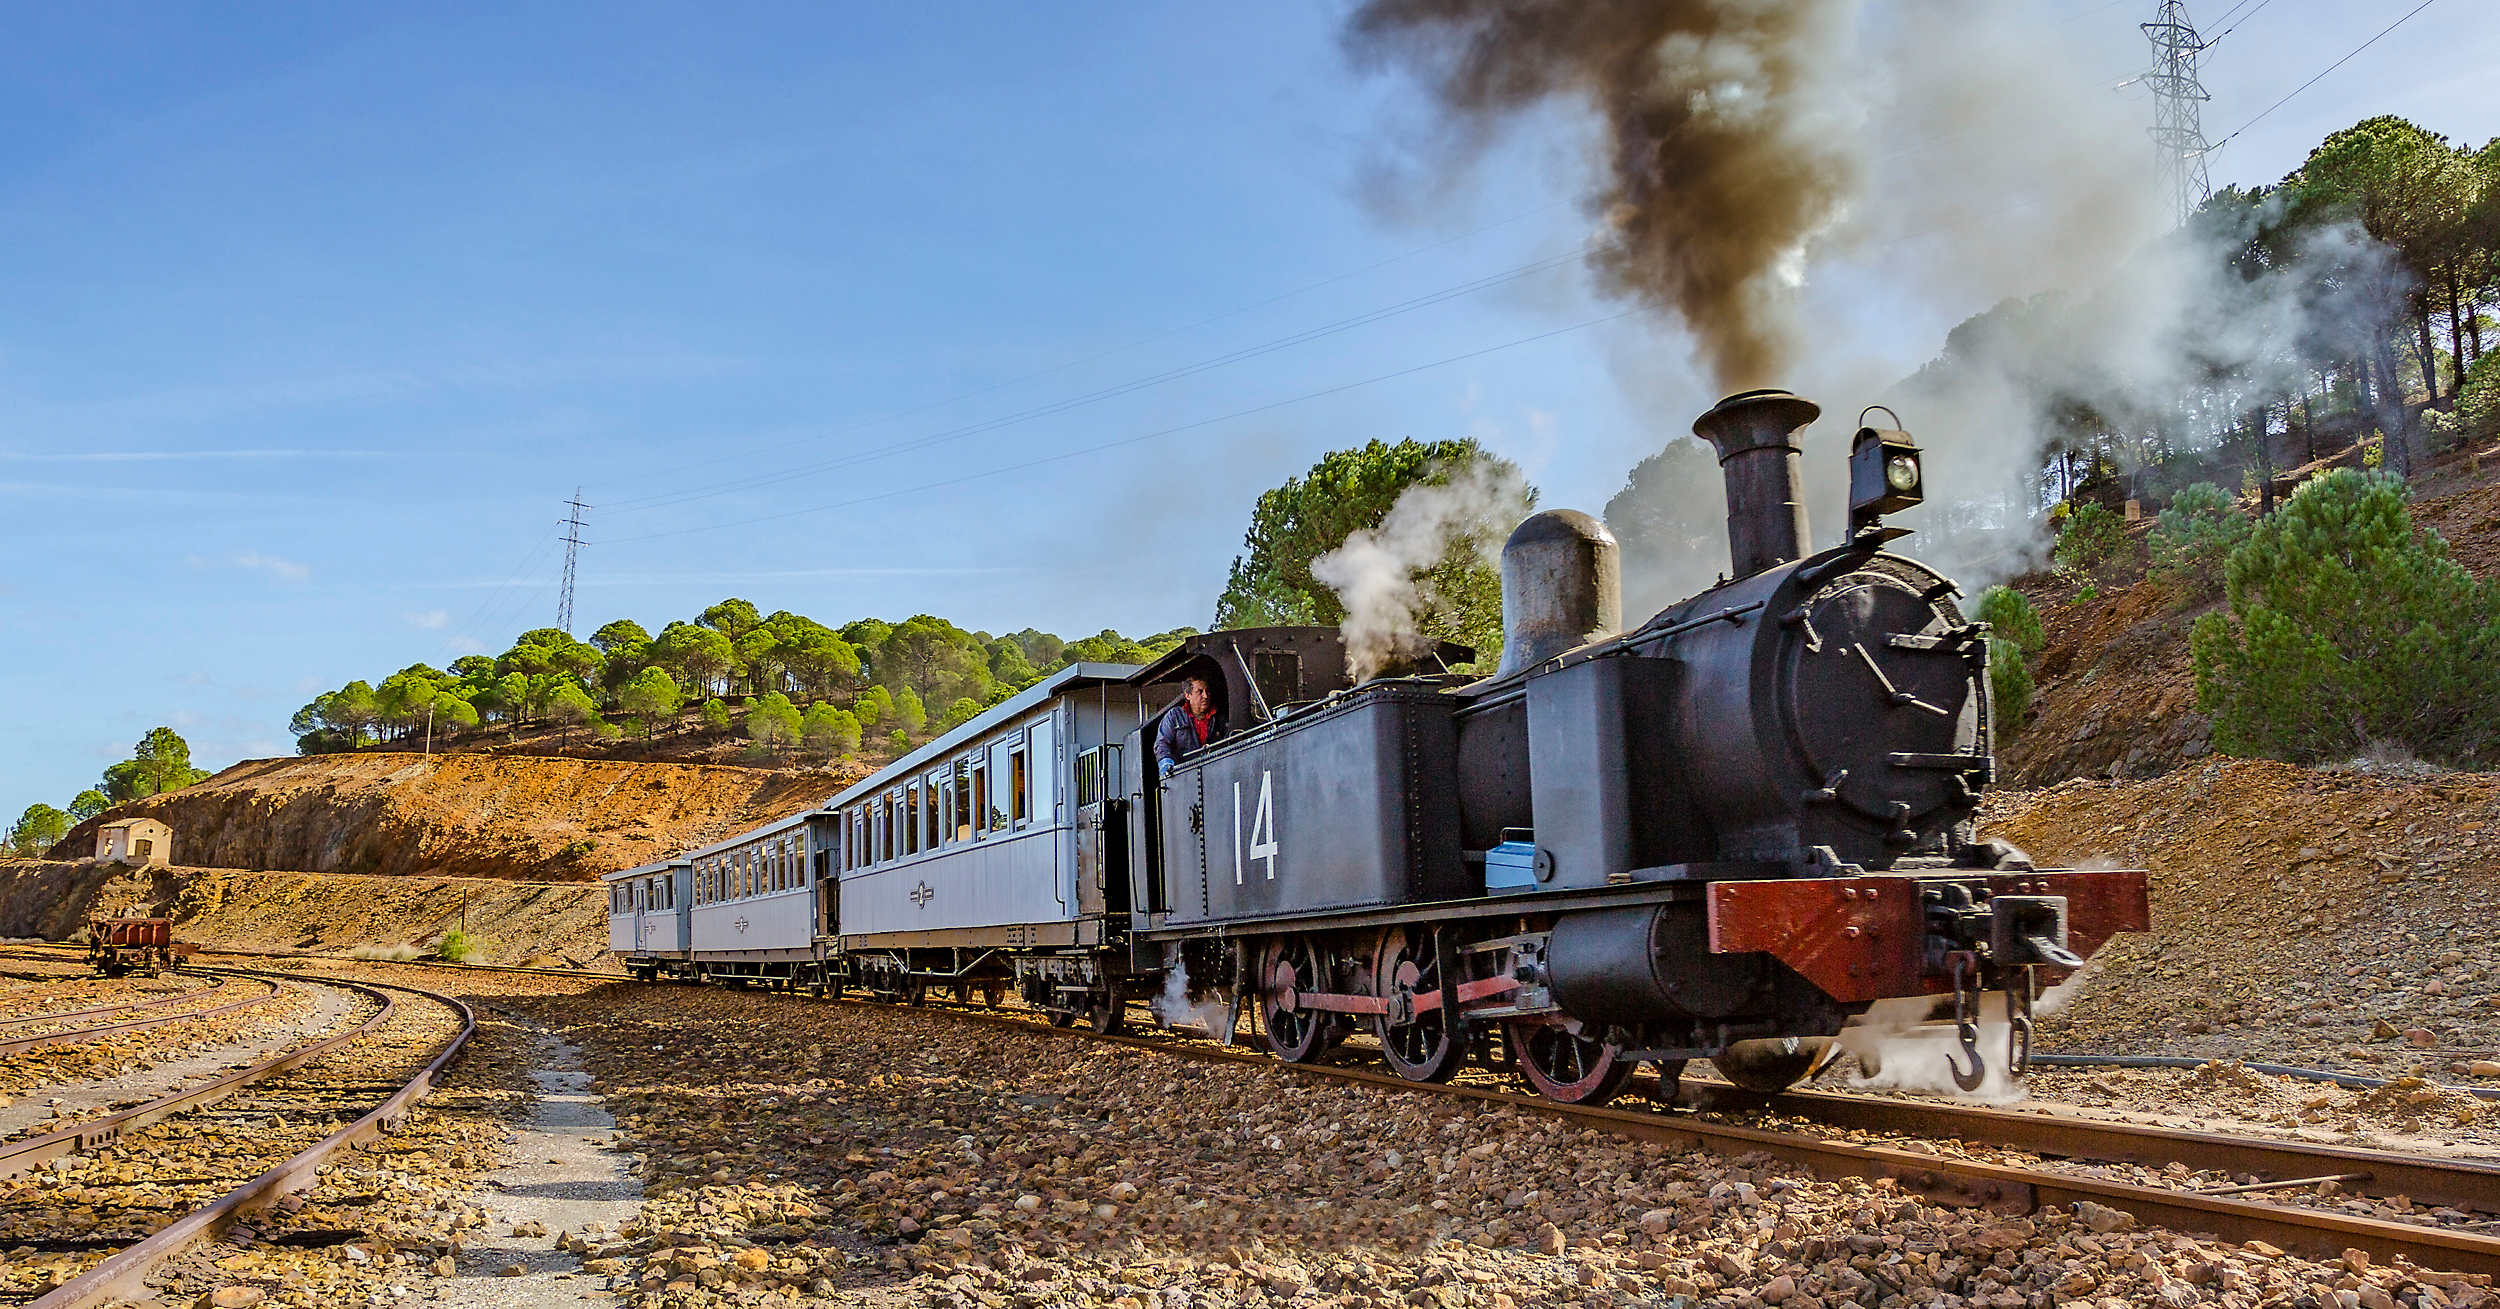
(254, 561)
(430, 619)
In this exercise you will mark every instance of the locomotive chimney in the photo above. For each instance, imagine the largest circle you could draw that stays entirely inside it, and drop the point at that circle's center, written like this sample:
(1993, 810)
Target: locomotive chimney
(1755, 433)
(1561, 587)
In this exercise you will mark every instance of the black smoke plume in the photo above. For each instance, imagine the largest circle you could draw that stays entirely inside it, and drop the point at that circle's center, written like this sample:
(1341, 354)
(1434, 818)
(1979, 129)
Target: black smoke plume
(1722, 162)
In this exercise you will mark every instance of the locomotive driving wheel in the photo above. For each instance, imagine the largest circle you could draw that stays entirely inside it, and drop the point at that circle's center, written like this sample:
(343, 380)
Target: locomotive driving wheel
(1567, 1067)
(1289, 966)
(1427, 1046)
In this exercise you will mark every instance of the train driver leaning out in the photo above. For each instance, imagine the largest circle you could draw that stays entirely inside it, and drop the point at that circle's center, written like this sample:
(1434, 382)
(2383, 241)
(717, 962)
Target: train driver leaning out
(1188, 726)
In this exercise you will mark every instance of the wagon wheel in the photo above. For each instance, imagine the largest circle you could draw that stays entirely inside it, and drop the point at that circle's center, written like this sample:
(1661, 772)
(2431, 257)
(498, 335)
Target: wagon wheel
(1566, 1067)
(1107, 1015)
(1429, 1047)
(1291, 964)
(1772, 1066)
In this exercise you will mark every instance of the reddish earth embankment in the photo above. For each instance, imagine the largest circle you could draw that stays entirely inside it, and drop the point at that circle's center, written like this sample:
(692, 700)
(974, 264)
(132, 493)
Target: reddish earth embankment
(2117, 694)
(327, 913)
(462, 815)
(2298, 913)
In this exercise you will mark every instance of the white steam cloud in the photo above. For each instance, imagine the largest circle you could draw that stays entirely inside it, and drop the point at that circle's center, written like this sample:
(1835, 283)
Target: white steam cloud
(1812, 192)
(1900, 1045)
(1381, 574)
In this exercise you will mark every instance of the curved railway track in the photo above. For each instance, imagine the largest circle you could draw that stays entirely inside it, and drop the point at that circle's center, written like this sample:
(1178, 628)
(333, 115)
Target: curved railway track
(20, 1045)
(2318, 1233)
(27, 1020)
(120, 1274)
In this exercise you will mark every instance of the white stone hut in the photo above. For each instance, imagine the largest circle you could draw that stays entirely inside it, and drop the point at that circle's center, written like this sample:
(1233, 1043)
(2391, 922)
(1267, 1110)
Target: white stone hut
(142, 841)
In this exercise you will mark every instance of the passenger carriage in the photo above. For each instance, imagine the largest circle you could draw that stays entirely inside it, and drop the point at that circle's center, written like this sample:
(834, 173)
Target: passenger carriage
(648, 909)
(755, 913)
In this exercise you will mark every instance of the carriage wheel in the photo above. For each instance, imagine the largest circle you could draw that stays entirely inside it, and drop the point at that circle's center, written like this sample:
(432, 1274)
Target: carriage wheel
(994, 992)
(1108, 1015)
(915, 990)
(1291, 964)
(1566, 1067)
(1430, 1047)
(962, 992)
(1771, 1066)
(1061, 1017)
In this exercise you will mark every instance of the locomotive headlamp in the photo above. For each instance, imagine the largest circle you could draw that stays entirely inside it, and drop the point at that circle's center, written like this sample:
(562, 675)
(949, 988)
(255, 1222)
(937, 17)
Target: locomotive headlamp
(1884, 474)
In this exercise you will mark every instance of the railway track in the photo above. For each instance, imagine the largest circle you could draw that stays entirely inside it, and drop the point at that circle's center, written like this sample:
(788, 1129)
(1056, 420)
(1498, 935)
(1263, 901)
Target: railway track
(2318, 1233)
(19, 1045)
(120, 1273)
(98, 1011)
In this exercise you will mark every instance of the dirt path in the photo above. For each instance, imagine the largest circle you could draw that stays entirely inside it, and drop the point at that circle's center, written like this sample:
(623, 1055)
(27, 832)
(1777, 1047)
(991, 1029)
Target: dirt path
(38, 1110)
(563, 1176)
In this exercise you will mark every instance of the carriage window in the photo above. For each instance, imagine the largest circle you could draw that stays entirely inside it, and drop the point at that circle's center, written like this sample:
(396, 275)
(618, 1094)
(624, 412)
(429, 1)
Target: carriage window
(1020, 792)
(1045, 769)
(1002, 777)
(933, 818)
(911, 819)
(978, 820)
(963, 800)
(1089, 778)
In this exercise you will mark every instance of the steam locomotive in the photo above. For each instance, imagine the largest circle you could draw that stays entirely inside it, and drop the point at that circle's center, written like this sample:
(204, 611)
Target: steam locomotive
(1721, 833)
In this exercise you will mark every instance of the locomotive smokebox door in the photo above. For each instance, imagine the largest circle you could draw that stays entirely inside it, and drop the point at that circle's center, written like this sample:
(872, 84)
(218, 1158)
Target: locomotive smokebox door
(1348, 806)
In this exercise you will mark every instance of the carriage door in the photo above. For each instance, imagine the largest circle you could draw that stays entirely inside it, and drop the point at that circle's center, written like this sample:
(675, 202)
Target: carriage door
(1101, 835)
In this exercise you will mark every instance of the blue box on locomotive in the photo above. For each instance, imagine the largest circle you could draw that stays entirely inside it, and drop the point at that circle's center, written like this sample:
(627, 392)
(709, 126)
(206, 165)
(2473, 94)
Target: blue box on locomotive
(1349, 805)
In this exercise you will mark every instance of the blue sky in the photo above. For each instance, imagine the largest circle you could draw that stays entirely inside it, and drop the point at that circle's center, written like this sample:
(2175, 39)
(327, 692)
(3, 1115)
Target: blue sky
(319, 313)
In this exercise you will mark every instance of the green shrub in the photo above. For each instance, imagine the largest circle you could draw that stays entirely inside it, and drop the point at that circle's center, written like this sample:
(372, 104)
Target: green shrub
(2477, 416)
(2092, 536)
(455, 947)
(2349, 631)
(715, 715)
(2010, 617)
(2015, 638)
(2192, 540)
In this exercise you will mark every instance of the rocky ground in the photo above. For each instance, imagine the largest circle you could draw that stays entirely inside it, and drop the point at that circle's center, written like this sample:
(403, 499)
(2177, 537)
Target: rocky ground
(2339, 918)
(859, 1155)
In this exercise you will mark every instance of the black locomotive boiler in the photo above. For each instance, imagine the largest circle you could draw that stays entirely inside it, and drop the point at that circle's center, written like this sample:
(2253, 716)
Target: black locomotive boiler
(1719, 833)
(1722, 832)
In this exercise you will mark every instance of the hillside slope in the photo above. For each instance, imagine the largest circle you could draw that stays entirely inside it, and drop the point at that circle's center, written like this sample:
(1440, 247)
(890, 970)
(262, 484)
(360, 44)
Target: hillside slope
(2297, 912)
(462, 815)
(507, 922)
(2117, 695)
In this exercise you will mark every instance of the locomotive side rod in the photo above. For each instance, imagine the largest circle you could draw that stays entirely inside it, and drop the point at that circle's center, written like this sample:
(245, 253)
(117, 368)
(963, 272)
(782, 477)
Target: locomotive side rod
(2318, 1233)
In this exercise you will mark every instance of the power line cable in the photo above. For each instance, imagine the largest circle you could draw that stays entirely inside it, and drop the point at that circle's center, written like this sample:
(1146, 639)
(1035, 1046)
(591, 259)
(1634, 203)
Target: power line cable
(1064, 405)
(2348, 58)
(2217, 39)
(1100, 447)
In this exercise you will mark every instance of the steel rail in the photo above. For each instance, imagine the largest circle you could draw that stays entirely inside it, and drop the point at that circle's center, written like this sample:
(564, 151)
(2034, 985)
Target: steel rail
(25, 1043)
(2319, 1233)
(2467, 1184)
(18, 1156)
(23, 1020)
(120, 1274)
